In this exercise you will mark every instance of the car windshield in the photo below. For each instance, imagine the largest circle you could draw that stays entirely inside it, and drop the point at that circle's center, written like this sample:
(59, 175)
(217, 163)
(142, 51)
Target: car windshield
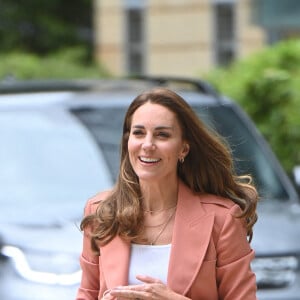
(106, 126)
(49, 164)
(248, 155)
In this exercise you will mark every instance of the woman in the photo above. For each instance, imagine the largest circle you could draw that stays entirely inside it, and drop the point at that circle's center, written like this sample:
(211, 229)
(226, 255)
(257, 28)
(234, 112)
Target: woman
(175, 225)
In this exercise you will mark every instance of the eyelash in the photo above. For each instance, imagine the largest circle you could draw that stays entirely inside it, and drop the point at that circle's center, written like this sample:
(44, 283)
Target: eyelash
(163, 134)
(137, 132)
(159, 134)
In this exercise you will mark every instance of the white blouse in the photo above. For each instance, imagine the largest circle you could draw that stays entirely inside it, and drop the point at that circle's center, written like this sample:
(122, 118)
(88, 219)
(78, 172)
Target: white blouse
(149, 260)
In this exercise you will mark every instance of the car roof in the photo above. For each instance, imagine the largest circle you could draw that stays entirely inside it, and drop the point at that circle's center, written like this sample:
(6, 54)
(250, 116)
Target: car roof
(39, 93)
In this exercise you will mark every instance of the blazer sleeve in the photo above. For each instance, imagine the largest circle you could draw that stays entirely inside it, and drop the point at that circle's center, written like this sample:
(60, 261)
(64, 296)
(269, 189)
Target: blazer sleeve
(89, 262)
(235, 278)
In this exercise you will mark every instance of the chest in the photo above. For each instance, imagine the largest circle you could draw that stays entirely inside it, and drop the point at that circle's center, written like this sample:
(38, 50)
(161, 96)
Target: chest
(149, 260)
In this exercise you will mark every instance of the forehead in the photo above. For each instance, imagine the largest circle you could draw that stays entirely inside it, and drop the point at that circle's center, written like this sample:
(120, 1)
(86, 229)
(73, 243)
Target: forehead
(150, 112)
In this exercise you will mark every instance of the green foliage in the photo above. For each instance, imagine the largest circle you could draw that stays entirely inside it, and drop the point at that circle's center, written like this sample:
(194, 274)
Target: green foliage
(41, 26)
(267, 85)
(64, 64)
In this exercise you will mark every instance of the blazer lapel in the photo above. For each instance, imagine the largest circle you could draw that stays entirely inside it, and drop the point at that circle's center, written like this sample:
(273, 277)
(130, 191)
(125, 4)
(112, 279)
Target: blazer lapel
(115, 262)
(191, 236)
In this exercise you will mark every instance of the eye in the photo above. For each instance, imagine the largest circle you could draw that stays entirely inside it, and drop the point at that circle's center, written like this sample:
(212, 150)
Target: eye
(137, 132)
(163, 134)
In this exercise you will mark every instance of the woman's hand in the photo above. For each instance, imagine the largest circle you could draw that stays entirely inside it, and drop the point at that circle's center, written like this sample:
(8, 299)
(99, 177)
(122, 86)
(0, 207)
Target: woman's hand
(107, 296)
(151, 288)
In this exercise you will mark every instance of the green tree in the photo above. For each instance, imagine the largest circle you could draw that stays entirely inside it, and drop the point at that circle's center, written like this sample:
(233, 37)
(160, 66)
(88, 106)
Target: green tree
(63, 64)
(42, 26)
(267, 85)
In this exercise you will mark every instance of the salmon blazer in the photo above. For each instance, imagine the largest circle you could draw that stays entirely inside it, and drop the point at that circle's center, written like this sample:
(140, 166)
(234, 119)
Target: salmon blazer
(209, 260)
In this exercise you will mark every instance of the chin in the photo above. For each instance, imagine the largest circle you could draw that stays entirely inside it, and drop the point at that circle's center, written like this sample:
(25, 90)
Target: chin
(148, 178)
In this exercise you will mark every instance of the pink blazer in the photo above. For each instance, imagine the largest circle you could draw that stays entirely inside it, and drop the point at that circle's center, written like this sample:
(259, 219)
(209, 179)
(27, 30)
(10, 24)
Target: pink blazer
(210, 255)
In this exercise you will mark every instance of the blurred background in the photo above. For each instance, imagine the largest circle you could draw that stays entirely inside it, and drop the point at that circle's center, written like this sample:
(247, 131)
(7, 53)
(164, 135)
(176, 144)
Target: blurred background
(249, 49)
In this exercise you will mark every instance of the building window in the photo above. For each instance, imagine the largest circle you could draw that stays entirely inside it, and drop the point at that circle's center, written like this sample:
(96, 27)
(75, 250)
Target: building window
(135, 50)
(225, 40)
(280, 19)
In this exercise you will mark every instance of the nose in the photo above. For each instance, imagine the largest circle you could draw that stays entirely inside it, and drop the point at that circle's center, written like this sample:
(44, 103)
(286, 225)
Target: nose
(148, 144)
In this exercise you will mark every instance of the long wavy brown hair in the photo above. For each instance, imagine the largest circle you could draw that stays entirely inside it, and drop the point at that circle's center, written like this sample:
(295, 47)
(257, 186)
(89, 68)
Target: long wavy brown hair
(208, 168)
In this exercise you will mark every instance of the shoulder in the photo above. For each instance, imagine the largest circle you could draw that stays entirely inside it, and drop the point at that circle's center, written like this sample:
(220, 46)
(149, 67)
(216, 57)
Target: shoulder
(205, 203)
(229, 233)
(213, 203)
(93, 202)
(226, 212)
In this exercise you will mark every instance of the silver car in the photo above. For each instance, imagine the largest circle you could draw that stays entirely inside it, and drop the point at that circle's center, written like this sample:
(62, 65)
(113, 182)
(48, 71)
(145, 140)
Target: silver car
(60, 145)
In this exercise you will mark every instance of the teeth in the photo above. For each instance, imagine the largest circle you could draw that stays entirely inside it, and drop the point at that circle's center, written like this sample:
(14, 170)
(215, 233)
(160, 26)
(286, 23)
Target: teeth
(149, 159)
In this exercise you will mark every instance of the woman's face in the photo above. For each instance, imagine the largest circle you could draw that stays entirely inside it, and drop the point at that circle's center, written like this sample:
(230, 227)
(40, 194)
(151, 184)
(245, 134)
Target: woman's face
(155, 143)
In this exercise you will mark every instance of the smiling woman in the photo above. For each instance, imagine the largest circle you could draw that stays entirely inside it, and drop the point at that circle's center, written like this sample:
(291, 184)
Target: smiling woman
(176, 192)
(155, 145)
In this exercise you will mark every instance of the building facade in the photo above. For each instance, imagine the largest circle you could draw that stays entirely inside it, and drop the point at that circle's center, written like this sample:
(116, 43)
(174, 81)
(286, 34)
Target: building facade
(173, 37)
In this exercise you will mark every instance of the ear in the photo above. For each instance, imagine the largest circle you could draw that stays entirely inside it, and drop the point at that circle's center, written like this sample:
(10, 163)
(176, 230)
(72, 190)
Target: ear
(185, 149)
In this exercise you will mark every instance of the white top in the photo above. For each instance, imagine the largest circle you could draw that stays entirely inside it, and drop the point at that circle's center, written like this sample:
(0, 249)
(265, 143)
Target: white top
(149, 260)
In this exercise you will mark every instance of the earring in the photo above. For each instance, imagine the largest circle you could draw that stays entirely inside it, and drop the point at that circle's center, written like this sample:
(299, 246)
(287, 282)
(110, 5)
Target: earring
(181, 159)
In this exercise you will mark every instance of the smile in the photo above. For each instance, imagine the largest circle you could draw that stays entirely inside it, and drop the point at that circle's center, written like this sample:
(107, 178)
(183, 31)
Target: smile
(149, 159)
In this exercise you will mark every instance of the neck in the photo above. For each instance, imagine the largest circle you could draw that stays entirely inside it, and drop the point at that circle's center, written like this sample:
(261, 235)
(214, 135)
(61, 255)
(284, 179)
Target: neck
(159, 198)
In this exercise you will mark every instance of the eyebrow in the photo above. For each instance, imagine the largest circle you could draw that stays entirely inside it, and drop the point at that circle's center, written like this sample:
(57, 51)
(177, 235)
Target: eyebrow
(156, 128)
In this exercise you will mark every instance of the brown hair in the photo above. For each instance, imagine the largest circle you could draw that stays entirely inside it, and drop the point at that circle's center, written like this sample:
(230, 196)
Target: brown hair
(208, 168)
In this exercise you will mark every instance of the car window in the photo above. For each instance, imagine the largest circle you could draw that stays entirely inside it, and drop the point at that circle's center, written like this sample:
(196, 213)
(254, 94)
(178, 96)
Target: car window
(106, 126)
(249, 157)
(47, 158)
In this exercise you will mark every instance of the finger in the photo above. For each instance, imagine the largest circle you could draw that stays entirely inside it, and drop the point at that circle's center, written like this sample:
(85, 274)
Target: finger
(107, 295)
(129, 294)
(148, 279)
(138, 287)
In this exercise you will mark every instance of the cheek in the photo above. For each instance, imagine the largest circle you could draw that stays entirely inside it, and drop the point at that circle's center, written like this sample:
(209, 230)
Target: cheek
(130, 148)
(132, 145)
(173, 153)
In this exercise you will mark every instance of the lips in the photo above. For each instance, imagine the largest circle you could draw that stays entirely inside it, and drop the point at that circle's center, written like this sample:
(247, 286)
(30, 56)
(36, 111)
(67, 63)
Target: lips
(149, 159)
